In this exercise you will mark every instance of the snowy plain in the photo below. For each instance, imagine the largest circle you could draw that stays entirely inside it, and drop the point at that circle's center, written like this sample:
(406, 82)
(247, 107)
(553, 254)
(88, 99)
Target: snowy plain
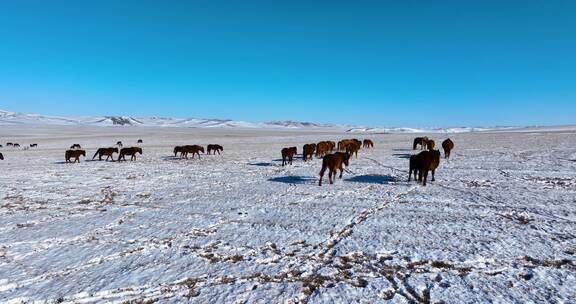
(497, 226)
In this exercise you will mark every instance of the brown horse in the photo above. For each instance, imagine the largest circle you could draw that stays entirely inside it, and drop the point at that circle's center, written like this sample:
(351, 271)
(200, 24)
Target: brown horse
(430, 144)
(140, 141)
(9, 144)
(74, 154)
(215, 148)
(323, 148)
(129, 151)
(1, 156)
(33, 145)
(331, 145)
(105, 151)
(75, 146)
(422, 163)
(288, 155)
(16, 146)
(334, 162)
(308, 151)
(367, 143)
(194, 149)
(119, 144)
(353, 147)
(419, 141)
(447, 145)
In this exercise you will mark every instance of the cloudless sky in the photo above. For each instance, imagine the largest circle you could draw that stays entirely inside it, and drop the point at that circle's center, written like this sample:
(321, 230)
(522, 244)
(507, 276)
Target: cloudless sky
(388, 63)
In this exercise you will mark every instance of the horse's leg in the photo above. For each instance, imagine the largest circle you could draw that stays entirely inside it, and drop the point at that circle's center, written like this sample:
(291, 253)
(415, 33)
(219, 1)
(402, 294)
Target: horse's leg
(341, 170)
(321, 175)
(283, 160)
(425, 177)
(409, 174)
(330, 173)
(433, 171)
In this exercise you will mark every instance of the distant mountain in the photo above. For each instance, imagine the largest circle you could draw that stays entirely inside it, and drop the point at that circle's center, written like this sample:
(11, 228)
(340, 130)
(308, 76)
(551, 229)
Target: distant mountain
(13, 118)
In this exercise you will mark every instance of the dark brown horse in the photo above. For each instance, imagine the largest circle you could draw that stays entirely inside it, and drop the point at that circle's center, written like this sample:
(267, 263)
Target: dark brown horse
(288, 155)
(424, 162)
(9, 144)
(140, 141)
(419, 141)
(129, 151)
(119, 144)
(33, 145)
(308, 151)
(75, 146)
(1, 156)
(367, 143)
(105, 151)
(74, 154)
(194, 149)
(16, 145)
(178, 149)
(215, 148)
(334, 162)
(447, 145)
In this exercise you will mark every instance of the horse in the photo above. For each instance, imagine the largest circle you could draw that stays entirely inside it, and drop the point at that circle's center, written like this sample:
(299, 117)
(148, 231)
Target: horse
(367, 143)
(119, 144)
(178, 149)
(414, 166)
(16, 145)
(334, 162)
(288, 155)
(322, 148)
(140, 141)
(215, 148)
(1, 156)
(353, 147)
(308, 151)
(419, 141)
(129, 151)
(75, 146)
(105, 151)
(194, 149)
(9, 144)
(331, 145)
(74, 154)
(447, 145)
(430, 144)
(33, 145)
(424, 162)
(0, 146)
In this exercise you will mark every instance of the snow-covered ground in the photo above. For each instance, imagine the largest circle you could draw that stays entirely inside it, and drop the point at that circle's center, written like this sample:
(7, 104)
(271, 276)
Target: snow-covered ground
(497, 226)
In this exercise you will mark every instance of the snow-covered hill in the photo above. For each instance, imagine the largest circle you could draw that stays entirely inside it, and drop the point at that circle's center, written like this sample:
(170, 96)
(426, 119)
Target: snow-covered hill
(13, 118)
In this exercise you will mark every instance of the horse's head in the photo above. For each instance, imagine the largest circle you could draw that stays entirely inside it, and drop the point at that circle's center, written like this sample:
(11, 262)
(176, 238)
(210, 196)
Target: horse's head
(139, 150)
(83, 153)
(114, 150)
(201, 149)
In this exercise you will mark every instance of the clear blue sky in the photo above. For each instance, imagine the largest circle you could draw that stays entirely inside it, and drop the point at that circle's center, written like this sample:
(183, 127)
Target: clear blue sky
(394, 63)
